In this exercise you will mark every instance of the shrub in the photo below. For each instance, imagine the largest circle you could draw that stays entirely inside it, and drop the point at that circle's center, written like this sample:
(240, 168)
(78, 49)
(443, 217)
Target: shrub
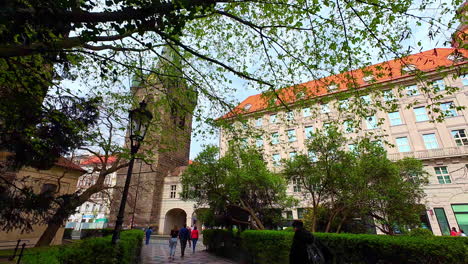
(90, 251)
(67, 233)
(274, 246)
(107, 231)
(420, 232)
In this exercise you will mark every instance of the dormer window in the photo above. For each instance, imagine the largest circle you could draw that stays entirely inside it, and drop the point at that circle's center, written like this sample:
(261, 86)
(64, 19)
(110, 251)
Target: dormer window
(247, 107)
(332, 88)
(368, 78)
(409, 68)
(456, 56)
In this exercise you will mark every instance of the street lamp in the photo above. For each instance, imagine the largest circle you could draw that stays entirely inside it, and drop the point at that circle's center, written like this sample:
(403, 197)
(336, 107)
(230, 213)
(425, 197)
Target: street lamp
(139, 122)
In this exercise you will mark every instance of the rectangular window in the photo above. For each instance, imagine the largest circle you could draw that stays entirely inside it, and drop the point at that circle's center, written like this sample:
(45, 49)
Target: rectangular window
(296, 185)
(412, 90)
(351, 147)
(460, 137)
(291, 135)
(348, 126)
(439, 85)
(308, 130)
(443, 176)
(300, 213)
(276, 159)
(371, 122)
(173, 191)
(292, 154)
(365, 99)
(442, 220)
(344, 104)
(448, 109)
(403, 144)
(290, 116)
(258, 122)
(289, 215)
(388, 95)
(421, 114)
(275, 138)
(259, 142)
(324, 108)
(306, 112)
(273, 119)
(395, 118)
(461, 215)
(430, 141)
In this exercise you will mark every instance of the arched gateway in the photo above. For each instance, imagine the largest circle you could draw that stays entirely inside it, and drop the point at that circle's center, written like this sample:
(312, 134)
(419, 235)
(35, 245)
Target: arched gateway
(173, 217)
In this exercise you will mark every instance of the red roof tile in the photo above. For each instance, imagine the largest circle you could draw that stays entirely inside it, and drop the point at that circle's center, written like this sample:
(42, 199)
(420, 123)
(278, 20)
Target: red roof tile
(67, 164)
(390, 70)
(95, 160)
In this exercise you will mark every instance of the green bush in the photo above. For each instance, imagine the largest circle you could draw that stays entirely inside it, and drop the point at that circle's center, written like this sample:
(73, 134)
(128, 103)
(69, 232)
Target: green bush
(107, 231)
(90, 251)
(274, 246)
(420, 232)
(67, 233)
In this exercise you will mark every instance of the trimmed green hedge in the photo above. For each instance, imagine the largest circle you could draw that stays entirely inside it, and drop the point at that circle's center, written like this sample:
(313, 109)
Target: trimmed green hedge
(273, 247)
(89, 251)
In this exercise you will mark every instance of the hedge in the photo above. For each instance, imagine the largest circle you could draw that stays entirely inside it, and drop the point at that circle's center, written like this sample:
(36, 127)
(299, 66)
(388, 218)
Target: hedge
(87, 233)
(273, 247)
(89, 251)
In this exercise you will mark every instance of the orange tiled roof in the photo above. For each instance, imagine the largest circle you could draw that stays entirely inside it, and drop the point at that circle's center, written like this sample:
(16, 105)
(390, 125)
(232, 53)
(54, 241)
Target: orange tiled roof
(67, 164)
(95, 160)
(382, 72)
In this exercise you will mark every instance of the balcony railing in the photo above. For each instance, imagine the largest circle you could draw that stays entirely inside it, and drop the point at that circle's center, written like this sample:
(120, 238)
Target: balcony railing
(431, 153)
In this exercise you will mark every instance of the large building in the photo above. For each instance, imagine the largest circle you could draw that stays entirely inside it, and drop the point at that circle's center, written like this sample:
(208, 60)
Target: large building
(441, 146)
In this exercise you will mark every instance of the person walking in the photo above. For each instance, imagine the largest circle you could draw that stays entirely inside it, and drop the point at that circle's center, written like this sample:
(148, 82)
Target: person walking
(194, 237)
(303, 248)
(148, 233)
(173, 242)
(453, 232)
(183, 236)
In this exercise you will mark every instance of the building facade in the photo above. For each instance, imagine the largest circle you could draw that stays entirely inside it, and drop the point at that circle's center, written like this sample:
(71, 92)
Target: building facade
(95, 212)
(409, 126)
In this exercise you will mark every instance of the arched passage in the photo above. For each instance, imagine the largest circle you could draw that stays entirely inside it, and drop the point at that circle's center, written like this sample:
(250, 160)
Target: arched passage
(173, 217)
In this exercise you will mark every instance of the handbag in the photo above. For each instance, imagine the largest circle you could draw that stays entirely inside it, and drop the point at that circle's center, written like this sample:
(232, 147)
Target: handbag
(314, 254)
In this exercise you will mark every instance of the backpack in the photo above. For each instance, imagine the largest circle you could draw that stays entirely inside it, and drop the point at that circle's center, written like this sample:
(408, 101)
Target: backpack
(314, 254)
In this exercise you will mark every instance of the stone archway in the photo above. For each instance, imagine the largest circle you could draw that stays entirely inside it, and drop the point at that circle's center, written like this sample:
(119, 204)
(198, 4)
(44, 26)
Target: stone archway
(173, 217)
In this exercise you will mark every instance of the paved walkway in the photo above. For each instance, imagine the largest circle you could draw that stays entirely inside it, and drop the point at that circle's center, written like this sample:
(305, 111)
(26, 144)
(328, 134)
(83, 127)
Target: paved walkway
(158, 252)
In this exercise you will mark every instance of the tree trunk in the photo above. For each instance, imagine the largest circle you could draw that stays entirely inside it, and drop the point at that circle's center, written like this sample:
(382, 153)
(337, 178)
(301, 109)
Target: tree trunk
(338, 229)
(48, 235)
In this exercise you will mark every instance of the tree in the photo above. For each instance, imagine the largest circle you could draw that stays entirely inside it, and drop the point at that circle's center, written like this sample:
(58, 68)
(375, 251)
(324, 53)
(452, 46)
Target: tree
(238, 180)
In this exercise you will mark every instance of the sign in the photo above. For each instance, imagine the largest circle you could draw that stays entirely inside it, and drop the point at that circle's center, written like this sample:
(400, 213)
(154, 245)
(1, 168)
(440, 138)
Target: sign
(88, 216)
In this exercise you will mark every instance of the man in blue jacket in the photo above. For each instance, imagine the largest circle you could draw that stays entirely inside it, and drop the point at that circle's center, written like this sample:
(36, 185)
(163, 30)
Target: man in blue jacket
(148, 233)
(184, 237)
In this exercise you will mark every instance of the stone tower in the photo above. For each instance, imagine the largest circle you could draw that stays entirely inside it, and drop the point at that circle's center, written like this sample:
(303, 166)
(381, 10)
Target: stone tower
(167, 142)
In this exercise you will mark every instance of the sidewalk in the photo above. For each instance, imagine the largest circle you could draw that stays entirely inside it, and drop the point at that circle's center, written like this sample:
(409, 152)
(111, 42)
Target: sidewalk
(158, 252)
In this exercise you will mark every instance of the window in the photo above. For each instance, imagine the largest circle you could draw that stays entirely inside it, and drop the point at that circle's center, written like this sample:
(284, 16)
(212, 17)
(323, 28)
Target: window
(275, 138)
(464, 79)
(430, 141)
(324, 109)
(272, 119)
(308, 130)
(259, 142)
(258, 122)
(412, 90)
(388, 95)
(439, 85)
(448, 109)
(291, 135)
(276, 159)
(173, 191)
(296, 185)
(443, 176)
(344, 104)
(403, 144)
(289, 215)
(300, 213)
(421, 114)
(366, 99)
(371, 122)
(395, 118)
(461, 215)
(290, 116)
(351, 147)
(460, 137)
(312, 156)
(247, 107)
(306, 112)
(442, 220)
(348, 126)
(292, 154)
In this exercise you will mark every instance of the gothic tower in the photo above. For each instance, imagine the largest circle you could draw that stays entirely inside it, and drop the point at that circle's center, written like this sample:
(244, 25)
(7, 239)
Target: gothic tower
(167, 142)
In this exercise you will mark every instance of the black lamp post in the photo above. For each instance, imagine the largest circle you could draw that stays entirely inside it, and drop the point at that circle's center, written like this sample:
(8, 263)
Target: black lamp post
(139, 122)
